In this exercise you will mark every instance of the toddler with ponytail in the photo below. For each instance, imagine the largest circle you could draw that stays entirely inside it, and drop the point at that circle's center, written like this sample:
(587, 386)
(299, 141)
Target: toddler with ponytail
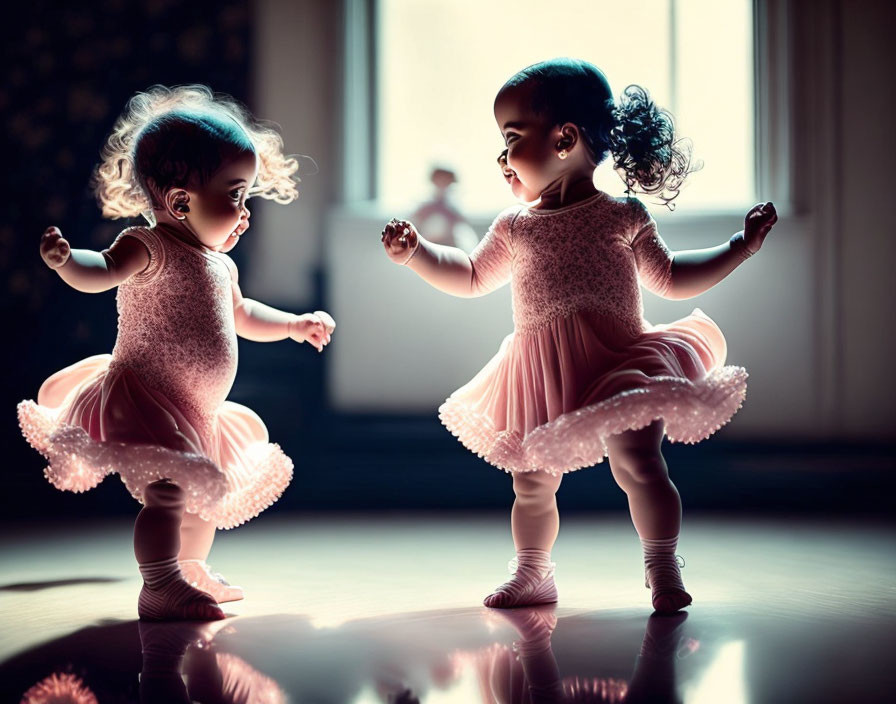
(584, 377)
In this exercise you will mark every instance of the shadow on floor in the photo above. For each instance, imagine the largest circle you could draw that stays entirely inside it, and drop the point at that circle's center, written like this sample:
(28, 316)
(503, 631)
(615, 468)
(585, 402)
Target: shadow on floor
(39, 586)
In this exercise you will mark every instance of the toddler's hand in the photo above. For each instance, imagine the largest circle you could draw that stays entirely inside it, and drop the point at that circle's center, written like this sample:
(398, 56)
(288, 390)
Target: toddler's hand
(310, 328)
(400, 239)
(757, 224)
(327, 320)
(54, 248)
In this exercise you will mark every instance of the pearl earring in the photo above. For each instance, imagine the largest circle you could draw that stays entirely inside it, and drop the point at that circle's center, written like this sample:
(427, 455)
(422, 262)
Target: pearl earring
(563, 153)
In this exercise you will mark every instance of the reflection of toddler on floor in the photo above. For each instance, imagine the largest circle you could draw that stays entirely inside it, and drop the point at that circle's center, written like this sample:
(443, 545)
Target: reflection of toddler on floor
(181, 663)
(155, 410)
(528, 673)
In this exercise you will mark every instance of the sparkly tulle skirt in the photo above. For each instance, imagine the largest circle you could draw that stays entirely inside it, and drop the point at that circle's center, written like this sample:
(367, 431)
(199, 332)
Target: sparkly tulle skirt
(550, 398)
(91, 420)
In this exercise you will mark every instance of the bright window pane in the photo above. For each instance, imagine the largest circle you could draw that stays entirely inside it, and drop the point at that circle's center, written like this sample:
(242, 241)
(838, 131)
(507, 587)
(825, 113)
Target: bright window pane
(715, 99)
(442, 61)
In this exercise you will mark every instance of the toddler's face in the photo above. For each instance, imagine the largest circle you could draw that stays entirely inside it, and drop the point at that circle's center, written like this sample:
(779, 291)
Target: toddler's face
(218, 213)
(530, 163)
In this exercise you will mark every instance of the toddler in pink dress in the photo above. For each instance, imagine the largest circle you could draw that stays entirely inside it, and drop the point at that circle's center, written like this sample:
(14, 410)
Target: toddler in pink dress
(584, 376)
(155, 410)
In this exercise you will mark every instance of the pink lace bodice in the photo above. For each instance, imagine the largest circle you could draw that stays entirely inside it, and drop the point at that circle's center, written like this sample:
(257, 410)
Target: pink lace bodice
(176, 326)
(585, 257)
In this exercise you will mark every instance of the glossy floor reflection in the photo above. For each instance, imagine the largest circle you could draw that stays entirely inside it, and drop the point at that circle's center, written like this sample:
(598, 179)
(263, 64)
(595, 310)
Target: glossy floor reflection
(370, 610)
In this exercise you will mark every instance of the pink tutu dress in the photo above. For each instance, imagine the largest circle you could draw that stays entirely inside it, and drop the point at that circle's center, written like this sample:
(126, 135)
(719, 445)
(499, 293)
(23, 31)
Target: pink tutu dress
(156, 407)
(582, 363)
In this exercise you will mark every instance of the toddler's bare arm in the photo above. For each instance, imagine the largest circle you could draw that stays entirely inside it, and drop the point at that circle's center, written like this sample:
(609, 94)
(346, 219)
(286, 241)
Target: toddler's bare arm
(262, 323)
(90, 271)
(697, 270)
(449, 269)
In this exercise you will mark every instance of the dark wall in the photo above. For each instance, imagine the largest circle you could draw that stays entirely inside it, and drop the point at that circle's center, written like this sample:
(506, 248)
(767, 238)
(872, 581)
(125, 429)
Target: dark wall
(69, 70)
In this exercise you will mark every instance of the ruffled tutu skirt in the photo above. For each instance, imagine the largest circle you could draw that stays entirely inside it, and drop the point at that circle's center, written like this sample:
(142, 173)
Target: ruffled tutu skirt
(549, 399)
(91, 420)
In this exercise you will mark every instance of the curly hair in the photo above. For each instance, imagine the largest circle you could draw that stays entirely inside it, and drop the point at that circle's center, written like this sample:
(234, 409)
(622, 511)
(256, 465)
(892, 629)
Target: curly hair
(167, 136)
(639, 135)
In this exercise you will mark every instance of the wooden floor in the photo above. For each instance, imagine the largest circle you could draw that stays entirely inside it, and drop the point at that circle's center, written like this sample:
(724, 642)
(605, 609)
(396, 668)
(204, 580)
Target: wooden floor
(371, 609)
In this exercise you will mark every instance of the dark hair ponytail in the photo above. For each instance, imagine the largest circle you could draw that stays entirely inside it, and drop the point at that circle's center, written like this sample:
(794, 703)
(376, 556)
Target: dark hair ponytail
(643, 145)
(639, 135)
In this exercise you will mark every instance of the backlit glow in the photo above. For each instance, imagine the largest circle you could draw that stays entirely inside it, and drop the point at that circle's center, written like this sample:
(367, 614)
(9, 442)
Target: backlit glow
(441, 63)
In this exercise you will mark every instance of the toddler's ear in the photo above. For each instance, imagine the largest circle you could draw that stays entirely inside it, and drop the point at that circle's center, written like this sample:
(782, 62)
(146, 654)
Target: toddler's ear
(568, 136)
(176, 203)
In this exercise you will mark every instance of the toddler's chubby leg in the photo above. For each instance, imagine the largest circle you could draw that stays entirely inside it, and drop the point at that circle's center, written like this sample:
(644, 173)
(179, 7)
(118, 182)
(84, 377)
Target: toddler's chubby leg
(640, 471)
(196, 537)
(165, 595)
(535, 522)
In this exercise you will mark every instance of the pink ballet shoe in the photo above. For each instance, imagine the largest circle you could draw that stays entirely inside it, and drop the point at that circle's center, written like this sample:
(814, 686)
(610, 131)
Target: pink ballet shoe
(177, 602)
(166, 596)
(528, 587)
(198, 574)
(663, 577)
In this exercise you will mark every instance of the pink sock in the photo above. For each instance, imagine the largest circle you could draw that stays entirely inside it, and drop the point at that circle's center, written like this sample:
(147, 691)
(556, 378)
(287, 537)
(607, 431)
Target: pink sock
(166, 596)
(532, 582)
(663, 574)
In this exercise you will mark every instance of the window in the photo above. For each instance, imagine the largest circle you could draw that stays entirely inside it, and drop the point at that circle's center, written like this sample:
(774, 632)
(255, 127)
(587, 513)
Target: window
(440, 63)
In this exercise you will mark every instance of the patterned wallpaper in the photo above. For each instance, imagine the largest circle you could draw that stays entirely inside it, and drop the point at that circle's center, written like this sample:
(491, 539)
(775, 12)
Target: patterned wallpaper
(70, 68)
